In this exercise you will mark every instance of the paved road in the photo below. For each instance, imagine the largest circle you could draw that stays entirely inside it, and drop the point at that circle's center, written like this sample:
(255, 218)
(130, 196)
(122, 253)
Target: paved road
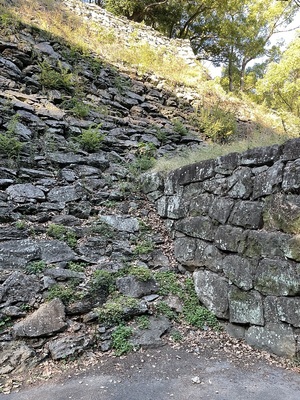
(168, 374)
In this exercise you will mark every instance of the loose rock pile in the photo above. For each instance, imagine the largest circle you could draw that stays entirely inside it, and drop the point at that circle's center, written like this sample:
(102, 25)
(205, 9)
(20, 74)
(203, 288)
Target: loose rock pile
(69, 204)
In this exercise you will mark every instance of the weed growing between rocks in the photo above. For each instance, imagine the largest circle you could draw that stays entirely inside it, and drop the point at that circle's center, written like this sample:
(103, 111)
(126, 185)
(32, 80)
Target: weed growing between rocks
(10, 145)
(91, 139)
(116, 310)
(60, 232)
(57, 77)
(67, 293)
(35, 267)
(120, 340)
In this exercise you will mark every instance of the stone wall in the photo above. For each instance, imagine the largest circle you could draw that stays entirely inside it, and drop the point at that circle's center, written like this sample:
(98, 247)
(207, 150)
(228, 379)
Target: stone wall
(134, 32)
(236, 227)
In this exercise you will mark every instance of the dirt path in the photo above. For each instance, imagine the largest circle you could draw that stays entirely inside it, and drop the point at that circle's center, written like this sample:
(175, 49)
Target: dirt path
(170, 373)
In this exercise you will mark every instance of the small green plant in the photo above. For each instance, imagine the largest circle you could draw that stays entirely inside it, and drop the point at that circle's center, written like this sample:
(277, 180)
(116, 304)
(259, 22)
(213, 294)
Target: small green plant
(169, 284)
(91, 138)
(120, 340)
(162, 308)
(35, 267)
(143, 226)
(115, 311)
(195, 314)
(143, 247)
(4, 322)
(66, 293)
(143, 322)
(10, 146)
(77, 107)
(103, 229)
(56, 77)
(76, 266)
(121, 84)
(144, 158)
(104, 281)
(141, 164)
(161, 135)
(176, 336)
(110, 203)
(180, 128)
(20, 225)
(141, 273)
(60, 232)
(25, 307)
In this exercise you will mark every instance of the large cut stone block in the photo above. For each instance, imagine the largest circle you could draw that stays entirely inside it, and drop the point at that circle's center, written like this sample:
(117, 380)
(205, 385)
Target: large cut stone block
(282, 212)
(247, 214)
(276, 338)
(246, 307)
(277, 277)
(240, 270)
(229, 238)
(289, 310)
(198, 227)
(240, 183)
(291, 177)
(266, 244)
(220, 209)
(268, 182)
(170, 207)
(212, 291)
(184, 250)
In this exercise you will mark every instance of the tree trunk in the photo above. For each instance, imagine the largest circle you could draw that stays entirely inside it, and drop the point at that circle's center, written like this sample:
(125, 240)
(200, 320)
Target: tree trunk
(230, 70)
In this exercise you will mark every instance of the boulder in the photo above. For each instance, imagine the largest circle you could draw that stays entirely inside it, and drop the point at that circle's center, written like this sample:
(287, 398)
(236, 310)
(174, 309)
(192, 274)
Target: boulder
(46, 321)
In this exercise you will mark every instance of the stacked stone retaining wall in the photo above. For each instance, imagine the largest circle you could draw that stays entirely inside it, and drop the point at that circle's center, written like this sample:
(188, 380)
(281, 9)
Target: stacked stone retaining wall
(236, 227)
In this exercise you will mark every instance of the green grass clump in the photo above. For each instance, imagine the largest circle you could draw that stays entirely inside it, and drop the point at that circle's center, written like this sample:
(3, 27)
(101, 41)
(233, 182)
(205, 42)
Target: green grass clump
(120, 340)
(77, 107)
(217, 124)
(115, 311)
(141, 273)
(195, 314)
(91, 139)
(60, 232)
(143, 322)
(162, 308)
(35, 267)
(104, 281)
(66, 293)
(56, 78)
(10, 146)
(143, 247)
(169, 284)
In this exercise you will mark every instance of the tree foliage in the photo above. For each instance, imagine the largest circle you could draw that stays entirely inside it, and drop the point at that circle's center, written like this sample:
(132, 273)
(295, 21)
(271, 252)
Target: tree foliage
(280, 87)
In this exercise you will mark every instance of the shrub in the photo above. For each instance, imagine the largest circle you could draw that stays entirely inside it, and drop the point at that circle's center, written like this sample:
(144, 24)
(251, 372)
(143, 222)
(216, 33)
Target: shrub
(103, 280)
(66, 293)
(143, 247)
(217, 124)
(180, 128)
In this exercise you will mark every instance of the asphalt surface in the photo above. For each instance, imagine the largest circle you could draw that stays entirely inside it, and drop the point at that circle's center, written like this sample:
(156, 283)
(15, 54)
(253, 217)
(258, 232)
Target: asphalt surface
(168, 373)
